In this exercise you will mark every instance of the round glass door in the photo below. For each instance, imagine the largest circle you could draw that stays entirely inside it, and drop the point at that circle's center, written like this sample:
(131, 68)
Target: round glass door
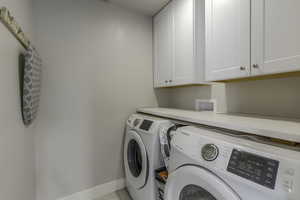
(135, 160)
(197, 183)
(194, 192)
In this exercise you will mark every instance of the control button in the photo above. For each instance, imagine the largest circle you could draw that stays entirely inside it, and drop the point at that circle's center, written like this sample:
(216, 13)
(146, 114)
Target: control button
(258, 172)
(259, 164)
(232, 163)
(269, 175)
(271, 163)
(268, 182)
(270, 169)
(247, 174)
(243, 166)
(257, 178)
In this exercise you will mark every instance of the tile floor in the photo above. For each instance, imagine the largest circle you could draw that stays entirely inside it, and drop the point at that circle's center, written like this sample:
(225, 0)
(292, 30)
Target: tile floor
(119, 195)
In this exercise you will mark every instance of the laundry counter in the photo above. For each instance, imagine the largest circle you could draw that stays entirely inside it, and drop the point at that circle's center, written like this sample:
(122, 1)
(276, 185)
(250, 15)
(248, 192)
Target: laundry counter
(274, 127)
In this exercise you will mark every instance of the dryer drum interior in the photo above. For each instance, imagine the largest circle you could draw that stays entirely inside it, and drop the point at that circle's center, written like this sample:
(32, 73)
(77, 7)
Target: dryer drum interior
(135, 160)
(193, 192)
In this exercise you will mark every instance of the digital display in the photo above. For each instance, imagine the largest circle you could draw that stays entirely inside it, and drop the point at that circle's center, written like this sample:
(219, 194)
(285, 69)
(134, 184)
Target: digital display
(255, 168)
(146, 125)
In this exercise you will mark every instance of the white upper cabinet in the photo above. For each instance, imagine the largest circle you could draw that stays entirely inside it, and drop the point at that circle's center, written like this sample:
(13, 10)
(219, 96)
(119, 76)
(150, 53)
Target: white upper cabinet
(275, 36)
(214, 40)
(179, 44)
(163, 47)
(251, 38)
(183, 70)
(227, 39)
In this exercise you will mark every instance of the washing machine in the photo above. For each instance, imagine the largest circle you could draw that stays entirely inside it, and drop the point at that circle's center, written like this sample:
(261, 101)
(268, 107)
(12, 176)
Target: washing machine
(142, 155)
(209, 165)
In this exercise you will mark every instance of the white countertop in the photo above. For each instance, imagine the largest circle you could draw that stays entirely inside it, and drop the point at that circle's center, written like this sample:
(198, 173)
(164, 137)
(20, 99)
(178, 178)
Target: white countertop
(280, 128)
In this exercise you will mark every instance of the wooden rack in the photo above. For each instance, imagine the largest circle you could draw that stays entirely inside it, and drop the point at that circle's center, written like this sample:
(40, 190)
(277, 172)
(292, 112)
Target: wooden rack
(10, 23)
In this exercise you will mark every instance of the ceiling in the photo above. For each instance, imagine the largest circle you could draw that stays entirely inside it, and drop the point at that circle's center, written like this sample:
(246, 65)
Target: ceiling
(147, 7)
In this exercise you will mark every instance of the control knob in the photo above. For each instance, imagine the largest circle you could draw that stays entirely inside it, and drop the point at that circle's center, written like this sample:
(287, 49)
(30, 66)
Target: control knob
(210, 152)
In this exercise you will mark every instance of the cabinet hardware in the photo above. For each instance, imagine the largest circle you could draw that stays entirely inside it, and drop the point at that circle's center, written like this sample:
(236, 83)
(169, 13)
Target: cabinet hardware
(242, 68)
(166, 81)
(255, 66)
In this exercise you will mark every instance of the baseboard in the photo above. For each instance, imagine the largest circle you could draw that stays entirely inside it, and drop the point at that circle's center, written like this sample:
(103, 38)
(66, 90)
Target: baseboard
(98, 191)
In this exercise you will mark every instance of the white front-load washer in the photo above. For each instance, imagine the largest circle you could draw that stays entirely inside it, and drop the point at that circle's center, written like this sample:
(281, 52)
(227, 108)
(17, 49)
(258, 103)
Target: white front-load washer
(142, 155)
(208, 165)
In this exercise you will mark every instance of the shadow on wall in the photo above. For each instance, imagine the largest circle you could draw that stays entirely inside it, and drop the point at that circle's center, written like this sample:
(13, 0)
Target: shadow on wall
(182, 97)
(275, 97)
(163, 96)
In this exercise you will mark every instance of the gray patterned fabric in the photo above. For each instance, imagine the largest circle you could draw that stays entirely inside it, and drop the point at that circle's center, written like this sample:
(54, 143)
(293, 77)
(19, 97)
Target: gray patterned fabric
(31, 85)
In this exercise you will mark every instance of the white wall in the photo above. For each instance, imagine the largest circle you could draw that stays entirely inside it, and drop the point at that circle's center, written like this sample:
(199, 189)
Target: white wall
(17, 176)
(277, 97)
(97, 71)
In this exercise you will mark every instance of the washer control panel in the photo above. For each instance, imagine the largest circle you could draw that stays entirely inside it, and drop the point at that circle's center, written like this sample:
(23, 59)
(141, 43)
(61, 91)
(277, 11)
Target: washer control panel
(255, 168)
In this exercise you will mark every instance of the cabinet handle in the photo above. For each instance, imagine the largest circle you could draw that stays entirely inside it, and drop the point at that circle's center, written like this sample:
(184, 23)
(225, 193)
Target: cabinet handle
(242, 68)
(170, 81)
(166, 81)
(255, 66)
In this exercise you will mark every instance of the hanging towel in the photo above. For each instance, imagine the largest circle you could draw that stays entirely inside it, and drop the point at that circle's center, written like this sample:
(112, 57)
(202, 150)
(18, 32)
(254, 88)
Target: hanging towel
(31, 85)
(165, 139)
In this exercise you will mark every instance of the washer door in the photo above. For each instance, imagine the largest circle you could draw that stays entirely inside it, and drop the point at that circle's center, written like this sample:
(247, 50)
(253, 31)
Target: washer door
(195, 183)
(136, 160)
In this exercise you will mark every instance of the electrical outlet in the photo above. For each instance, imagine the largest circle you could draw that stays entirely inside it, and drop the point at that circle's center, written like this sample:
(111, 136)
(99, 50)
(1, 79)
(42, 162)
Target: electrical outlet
(205, 104)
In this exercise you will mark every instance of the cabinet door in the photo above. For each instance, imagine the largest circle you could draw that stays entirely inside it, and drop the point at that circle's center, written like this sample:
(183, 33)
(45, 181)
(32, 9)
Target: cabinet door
(227, 39)
(275, 36)
(163, 47)
(183, 70)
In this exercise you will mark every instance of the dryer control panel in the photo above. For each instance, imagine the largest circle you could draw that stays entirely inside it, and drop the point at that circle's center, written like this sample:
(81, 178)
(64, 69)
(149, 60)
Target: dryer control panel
(255, 168)
(146, 125)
